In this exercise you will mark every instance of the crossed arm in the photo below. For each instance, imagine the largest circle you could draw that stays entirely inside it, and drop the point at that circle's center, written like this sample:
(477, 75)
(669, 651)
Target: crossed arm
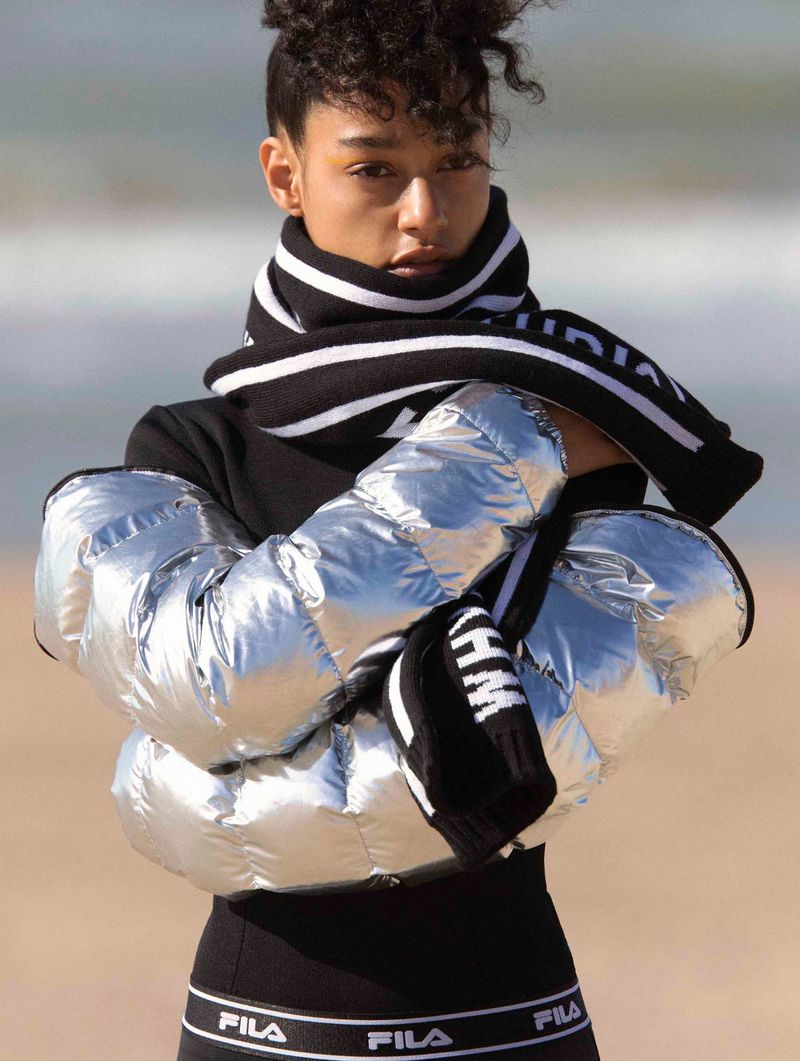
(224, 655)
(225, 651)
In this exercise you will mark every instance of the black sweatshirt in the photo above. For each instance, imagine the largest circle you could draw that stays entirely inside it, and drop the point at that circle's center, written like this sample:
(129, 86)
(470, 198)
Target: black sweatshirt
(469, 939)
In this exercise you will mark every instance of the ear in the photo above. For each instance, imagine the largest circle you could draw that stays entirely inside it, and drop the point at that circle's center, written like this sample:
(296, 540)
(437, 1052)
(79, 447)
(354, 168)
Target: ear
(282, 173)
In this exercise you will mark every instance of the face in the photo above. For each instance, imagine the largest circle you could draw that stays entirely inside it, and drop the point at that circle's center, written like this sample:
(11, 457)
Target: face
(382, 192)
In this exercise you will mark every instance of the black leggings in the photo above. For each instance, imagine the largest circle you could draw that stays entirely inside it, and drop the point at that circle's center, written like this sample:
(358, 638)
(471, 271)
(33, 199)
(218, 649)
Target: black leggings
(465, 942)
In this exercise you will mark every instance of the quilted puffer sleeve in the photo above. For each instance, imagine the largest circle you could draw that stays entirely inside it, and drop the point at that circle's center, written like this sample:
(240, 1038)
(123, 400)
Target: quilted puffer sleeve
(639, 606)
(223, 651)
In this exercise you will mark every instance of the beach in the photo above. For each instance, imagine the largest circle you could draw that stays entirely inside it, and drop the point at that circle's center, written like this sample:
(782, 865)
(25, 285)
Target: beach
(676, 884)
(656, 192)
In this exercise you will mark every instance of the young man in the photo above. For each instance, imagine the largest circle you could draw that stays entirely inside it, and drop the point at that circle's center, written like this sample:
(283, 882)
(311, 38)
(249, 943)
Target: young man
(241, 587)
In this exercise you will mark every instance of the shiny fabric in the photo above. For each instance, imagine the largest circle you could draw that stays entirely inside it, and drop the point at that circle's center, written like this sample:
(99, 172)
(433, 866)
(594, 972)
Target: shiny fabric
(227, 652)
(232, 661)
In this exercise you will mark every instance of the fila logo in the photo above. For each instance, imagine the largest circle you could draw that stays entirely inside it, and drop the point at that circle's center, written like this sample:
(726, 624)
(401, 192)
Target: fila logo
(247, 1026)
(405, 1040)
(558, 1015)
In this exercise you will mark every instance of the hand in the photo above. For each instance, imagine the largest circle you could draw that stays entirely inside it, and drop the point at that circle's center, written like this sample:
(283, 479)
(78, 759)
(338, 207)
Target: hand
(588, 449)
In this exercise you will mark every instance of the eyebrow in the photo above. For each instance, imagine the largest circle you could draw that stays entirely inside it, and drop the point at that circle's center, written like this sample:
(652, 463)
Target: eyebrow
(388, 143)
(365, 143)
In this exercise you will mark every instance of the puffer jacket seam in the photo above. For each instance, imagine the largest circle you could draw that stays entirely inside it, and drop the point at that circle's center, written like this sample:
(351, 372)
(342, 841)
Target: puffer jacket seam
(379, 507)
(94, 473)
(501, 449)
(523, 664)
(341, 750)
(397, 523)
(238, 832)
(692, 528)
(299, 598)
(165, 518)
(139, 811)
(573, 706)
(353, 816)
(663, 674)
(579, 586)
(134, 657)
(448, 593)
(132, 711)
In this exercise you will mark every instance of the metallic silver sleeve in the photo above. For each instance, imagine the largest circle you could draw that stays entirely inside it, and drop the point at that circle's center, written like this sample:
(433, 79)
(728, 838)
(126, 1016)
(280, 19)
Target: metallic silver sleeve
(282, 823)
(639, 606)
(226, 652)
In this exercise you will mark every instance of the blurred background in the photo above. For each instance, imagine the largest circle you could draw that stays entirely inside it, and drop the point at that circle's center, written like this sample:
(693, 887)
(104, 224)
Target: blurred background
(657, 193)
(656, 189)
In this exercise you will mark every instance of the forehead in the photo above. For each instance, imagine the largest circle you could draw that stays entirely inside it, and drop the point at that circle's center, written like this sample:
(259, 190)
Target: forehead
(351, 128)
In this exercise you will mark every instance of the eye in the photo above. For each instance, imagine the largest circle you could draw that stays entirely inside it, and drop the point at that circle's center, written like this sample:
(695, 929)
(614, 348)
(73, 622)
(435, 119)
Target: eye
(465, 161)
(368, 171)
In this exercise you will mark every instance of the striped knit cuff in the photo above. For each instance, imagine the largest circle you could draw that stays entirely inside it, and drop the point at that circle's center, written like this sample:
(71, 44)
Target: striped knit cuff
(476, 836)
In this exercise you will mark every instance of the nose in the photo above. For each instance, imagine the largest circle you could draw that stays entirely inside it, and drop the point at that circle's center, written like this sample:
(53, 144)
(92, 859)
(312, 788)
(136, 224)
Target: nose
(422, 212)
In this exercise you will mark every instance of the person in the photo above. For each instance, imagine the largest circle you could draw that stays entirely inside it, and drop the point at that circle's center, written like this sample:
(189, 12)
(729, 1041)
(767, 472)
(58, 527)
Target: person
(240, 587)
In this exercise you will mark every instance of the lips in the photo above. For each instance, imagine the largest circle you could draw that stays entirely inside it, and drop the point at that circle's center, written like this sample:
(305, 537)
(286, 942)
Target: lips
(419, 268)
(423, 261)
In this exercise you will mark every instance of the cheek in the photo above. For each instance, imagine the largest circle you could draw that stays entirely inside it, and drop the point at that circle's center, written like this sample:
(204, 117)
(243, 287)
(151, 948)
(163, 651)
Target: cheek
(468, 210)
(341, 219)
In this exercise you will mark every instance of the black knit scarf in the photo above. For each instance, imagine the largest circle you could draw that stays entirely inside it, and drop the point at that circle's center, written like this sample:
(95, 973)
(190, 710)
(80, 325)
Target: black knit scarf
(336, 350)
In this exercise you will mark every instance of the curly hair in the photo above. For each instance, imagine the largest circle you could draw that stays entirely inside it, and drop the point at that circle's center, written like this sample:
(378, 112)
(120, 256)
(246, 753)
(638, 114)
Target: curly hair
(344, 51)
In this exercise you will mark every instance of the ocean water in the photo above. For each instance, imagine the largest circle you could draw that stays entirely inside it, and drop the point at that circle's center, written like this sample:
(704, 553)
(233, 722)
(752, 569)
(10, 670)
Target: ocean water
(103, 320)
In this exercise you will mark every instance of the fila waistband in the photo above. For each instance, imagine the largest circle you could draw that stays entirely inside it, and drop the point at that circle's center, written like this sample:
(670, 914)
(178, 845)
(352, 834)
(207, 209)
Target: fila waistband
(258, 1031)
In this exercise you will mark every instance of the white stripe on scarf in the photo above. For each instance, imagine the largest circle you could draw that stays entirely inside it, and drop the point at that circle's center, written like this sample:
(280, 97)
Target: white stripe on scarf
(351, 409)
(269, 301)
(325, 356)
(343, 289)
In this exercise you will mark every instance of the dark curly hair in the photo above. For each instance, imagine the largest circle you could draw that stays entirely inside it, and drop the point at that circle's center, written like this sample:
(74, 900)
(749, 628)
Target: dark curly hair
(343, 50)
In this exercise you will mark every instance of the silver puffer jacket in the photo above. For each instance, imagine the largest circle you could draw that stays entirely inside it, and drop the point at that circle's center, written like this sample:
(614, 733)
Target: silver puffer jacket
(233, 660)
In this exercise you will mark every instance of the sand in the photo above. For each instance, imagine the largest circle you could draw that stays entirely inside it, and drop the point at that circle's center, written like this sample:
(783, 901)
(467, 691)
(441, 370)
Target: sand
(677, 884)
